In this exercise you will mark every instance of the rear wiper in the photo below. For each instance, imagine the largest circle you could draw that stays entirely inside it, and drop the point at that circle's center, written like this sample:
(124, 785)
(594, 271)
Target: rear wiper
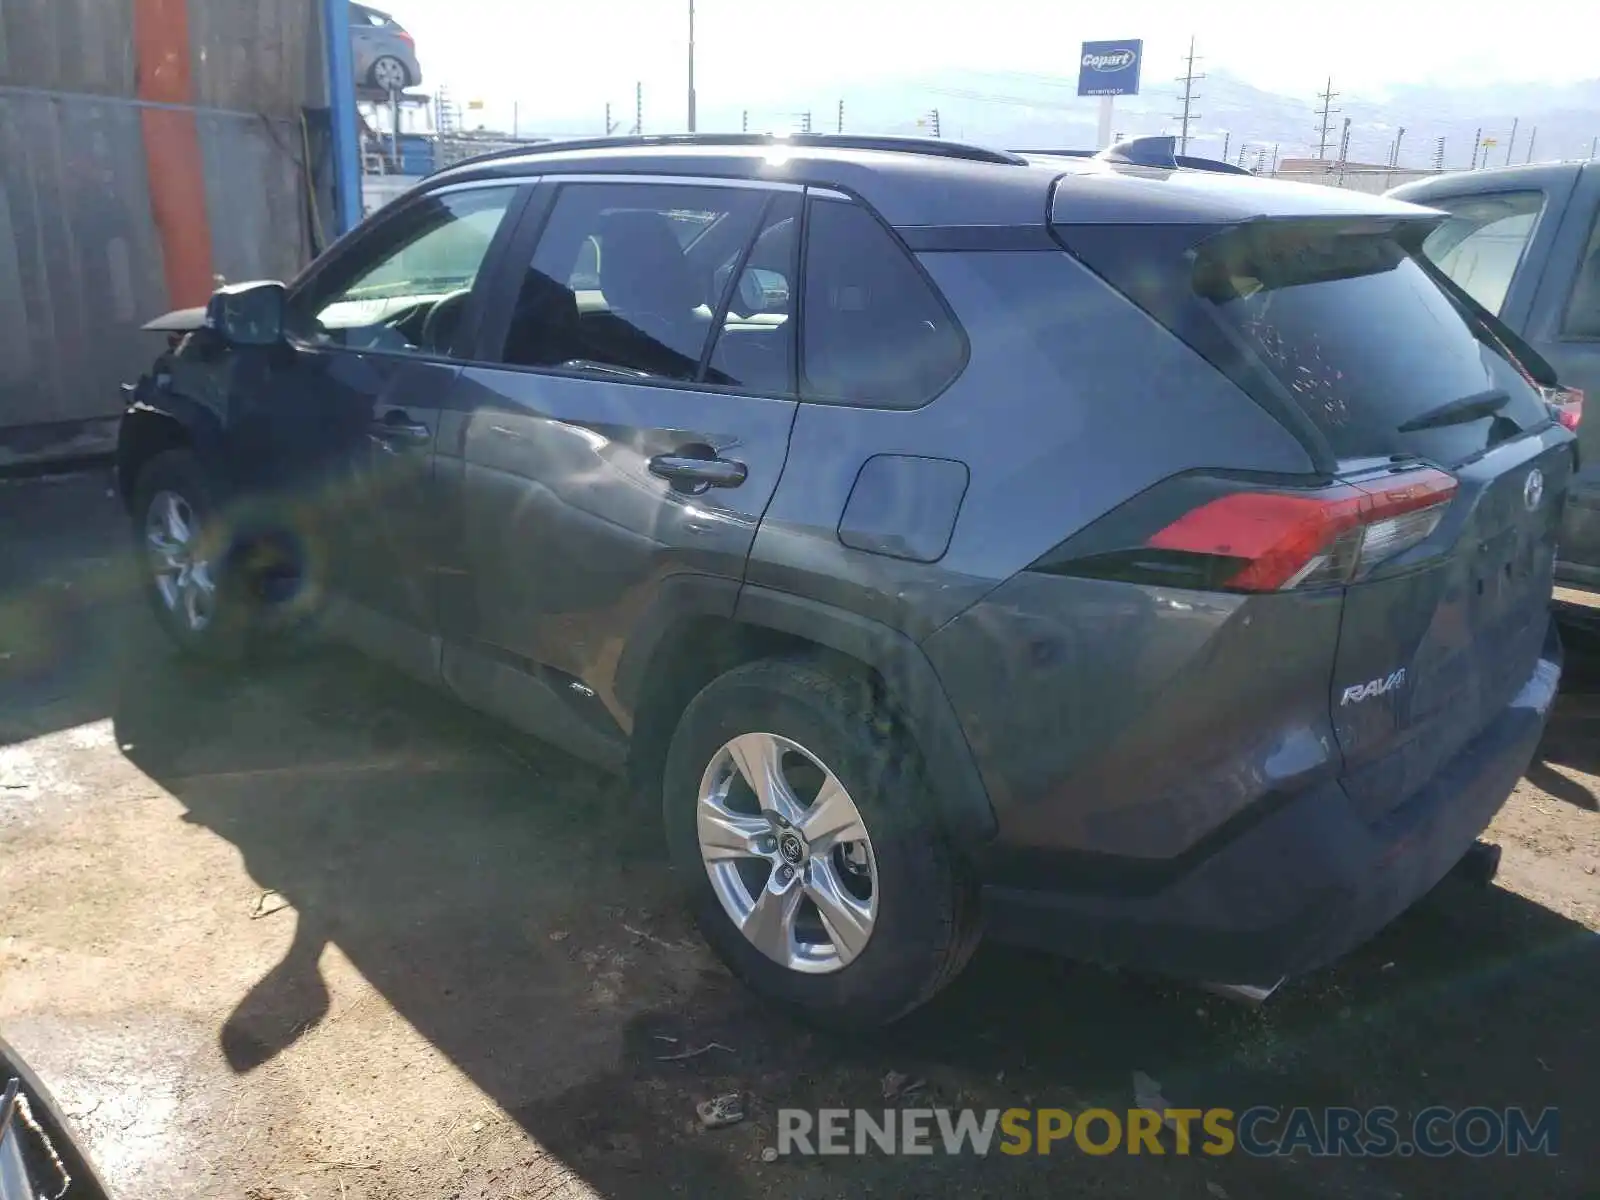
(1459, 412)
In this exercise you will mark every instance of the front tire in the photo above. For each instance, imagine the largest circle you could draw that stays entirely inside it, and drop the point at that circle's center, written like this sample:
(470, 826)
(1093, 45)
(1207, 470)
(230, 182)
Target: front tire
(794, 816)
(225, 581)
(183, 556)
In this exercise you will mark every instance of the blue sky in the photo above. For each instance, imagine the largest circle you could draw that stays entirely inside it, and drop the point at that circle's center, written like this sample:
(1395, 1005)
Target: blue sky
(562, 62)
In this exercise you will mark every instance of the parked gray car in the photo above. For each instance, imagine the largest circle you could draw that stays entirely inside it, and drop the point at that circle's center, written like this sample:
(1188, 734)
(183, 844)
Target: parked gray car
(385, 54)
(1525, 242)
(1149, 564)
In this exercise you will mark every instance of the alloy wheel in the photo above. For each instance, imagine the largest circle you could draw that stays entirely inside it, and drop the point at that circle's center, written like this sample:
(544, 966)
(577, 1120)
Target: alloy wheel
(389, 74)
(787, 853)
(183, 579)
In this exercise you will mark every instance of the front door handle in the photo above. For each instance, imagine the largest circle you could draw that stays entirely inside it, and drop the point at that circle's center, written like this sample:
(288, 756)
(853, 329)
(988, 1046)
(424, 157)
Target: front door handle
(397, 427)
(690, 474)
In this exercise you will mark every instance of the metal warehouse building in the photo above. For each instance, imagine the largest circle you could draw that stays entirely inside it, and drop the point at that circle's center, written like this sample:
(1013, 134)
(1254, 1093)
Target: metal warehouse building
(146, 147)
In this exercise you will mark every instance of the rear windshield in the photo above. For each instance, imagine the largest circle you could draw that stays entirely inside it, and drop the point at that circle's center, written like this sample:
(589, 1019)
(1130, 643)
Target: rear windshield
(1357, 333)
(1362, 337)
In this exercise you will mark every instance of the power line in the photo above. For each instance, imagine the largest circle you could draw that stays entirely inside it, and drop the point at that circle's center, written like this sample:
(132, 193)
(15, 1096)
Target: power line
(1188, 79)
(1328, 113)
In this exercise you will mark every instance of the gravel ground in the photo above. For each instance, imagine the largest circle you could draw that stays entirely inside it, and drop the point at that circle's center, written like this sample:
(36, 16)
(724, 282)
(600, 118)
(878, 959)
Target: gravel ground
(314, 931)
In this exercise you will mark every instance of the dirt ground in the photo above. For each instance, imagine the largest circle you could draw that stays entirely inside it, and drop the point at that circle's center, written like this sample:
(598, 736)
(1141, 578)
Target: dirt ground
(316, 932)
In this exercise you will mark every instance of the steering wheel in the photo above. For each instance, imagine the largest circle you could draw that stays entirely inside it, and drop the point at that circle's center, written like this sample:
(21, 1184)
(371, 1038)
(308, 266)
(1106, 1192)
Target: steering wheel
(439, 328)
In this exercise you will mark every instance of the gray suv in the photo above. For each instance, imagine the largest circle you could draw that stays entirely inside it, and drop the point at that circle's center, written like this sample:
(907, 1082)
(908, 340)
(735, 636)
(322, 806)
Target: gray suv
(1147, 563)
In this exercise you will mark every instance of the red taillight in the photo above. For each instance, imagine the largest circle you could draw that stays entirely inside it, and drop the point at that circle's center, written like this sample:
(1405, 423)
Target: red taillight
(1288, 540)
(1566, 405)
(405, 37)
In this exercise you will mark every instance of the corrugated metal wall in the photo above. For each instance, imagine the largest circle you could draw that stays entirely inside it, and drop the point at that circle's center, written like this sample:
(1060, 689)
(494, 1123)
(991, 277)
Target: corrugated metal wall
(83, 257)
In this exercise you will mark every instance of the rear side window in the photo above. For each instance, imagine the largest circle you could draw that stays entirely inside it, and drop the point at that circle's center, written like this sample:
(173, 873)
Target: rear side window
(1582, 319)
(874, 331)
(1481, 243)
(624, 280)
(755, 346)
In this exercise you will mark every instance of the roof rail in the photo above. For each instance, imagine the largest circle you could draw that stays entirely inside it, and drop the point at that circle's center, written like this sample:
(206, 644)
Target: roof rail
(937, 147)
(1176, 160)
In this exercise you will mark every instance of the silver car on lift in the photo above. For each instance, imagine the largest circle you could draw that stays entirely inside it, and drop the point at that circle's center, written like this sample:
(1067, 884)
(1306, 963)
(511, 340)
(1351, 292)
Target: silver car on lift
(385, 54)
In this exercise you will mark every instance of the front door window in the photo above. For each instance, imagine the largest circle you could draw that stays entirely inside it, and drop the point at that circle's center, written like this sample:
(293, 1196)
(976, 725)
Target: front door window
(407, 293)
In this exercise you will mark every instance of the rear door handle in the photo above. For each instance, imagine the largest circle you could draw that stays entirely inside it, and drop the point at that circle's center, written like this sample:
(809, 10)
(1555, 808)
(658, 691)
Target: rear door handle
(397, 427)
(691, 474)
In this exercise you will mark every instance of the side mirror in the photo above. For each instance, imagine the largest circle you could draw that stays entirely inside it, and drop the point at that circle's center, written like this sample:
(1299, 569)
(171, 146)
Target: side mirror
(248, 314)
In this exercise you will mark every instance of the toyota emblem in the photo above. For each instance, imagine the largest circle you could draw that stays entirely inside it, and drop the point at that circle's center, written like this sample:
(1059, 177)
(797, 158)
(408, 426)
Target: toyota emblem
(1533, 489)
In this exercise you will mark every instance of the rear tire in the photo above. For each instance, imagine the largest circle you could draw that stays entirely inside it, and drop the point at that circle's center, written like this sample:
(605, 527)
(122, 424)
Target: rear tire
(904, 917)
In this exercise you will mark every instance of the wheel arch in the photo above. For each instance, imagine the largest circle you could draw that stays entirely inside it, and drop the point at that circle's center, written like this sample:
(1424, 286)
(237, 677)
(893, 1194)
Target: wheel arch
(147, 431)
(705, 627)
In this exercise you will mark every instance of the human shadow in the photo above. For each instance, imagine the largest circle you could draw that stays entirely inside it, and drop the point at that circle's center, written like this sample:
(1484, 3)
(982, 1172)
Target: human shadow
(515, 908)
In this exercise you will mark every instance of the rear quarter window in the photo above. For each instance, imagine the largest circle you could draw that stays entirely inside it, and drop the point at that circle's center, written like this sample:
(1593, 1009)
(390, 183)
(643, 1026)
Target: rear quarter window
(1582, 319)
(874, 331)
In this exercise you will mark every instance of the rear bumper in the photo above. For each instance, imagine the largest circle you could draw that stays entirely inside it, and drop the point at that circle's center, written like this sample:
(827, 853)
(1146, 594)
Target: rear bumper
(1303, 885)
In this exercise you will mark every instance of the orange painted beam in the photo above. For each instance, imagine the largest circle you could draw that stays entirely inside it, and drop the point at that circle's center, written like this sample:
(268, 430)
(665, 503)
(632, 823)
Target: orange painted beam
(173, 161)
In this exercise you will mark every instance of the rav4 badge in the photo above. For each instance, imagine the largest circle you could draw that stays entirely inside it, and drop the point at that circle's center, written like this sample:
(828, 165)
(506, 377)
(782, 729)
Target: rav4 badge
(1357, 692)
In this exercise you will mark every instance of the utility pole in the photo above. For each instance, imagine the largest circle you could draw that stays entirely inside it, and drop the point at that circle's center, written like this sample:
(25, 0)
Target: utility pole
(933, 121)
(1532, 137)
(638, 108)
(1344, 149)
(805, 121)
(1328, 113)
(1394, 154)
(1511, 143)
(1477, 140)
(839, 125)
(609, 125)
(1243, 146)
(1438, 154)
(1188, 115)
(1594, 143)
(744, 122)
(1226, 138)
(1275, 146)
(691, 66)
